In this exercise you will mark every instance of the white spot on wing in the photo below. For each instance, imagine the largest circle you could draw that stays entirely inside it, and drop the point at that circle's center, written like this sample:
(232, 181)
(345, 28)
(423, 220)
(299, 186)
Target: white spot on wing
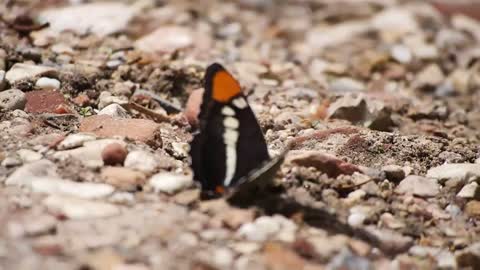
(240, 103)
(228, 111)
(230, 122)
(230, 138)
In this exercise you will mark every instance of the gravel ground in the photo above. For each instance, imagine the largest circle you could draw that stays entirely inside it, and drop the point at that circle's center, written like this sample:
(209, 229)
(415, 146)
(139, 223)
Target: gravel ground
(379, 100)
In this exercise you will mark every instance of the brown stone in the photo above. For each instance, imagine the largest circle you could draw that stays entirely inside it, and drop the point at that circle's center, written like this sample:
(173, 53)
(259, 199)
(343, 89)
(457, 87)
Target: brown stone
(192, 109)
(123, 178)
(328, 164)
(279, 257)
(114, 154)
(472, 208)
(141, 130)
(81, 100)
(46, 101)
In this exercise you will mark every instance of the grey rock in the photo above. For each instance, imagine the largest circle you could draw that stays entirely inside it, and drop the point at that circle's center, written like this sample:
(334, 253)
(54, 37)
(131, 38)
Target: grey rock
(394, 173)
(106, 98)
(3, 81)
(11, 162)
(21, 71)
(70, 188)
(142, 161)
(469, 257)
(98, 18)
(75, 140)
(358, 109)
(347, 260)
(431, 76)
(12, 99)
(114, 110)
(25, 175)
(346, 85)
(90, 154)
(27, 155)
(470, 191)
(260, 230)
(419, 186)
(454, 170)
(401, 54)
(75, 208)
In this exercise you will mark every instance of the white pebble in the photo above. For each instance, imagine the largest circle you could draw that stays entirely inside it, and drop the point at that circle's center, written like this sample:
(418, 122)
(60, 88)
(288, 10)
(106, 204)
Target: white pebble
(169, 182)
(47, 83)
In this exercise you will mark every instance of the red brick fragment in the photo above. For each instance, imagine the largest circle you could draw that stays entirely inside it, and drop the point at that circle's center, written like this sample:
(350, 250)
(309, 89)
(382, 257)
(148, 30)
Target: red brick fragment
(46, 101)
(142, 130)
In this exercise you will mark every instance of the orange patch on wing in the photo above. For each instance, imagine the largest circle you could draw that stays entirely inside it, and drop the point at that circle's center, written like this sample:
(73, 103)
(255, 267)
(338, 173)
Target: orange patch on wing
(224, 87)
(220, 189)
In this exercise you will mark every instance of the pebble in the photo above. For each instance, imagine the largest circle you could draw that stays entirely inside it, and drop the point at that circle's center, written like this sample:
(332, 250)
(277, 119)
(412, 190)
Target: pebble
(43, 224)
(453, 210)
(260, 230)
(124, 179)
(106, 98)
(75, 208)
(245, 247)
(142, 130)
(101, 19)
(346, 85)
(27, 155)
(21, 71)
(24, 175)
(419, 186)
(394, 173)
(166, 39)
(9, 162)
(319, 38)
(472, 208)
(325, 163)
(169, 182)
(431, 76)
(114, 110)
(142, 161)
(401, 54)
(395, 21)
(391, 222)
(114, 154)
(12, 99)
(192, 109)
(45, 83)
(446, 260)
(223, 257)
(180, 149)
(454, 170)
(90, 154)
(391, 239)
(359, 109)
(347, 260)
(356, 219)
(469, 191)
(75, 140)
(469, 257)
(355, 196)
(2, 80)
(69, 188)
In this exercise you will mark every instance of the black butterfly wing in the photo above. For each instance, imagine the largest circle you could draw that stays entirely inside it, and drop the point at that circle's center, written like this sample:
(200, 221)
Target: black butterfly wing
(225, 117)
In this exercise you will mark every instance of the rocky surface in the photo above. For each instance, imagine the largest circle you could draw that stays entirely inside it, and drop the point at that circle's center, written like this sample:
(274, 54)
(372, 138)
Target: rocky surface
(378, 99)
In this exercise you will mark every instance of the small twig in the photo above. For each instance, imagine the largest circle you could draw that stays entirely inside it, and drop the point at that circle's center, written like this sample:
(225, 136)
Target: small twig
(156, 116)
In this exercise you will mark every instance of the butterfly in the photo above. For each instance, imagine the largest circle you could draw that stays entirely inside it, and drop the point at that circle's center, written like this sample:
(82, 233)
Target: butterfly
(229, 150)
